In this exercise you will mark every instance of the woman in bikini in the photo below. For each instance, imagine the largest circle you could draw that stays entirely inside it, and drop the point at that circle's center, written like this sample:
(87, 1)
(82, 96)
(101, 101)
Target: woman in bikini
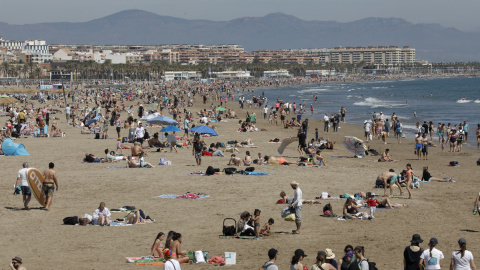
(178, 254)
(157, 245)
(350, 209)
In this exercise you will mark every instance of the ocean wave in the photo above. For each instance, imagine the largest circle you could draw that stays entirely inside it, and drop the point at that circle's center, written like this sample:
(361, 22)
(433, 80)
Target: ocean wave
(378, 103)
(312, 90)
(477, 101)
(464, 101)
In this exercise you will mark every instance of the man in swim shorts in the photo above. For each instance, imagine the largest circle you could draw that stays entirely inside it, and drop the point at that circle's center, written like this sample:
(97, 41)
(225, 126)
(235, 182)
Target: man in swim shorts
(389, 177)
(49, 184)
(418, 145)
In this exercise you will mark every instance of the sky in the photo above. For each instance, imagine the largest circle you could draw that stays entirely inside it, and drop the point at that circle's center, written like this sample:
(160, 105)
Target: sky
(461, 14)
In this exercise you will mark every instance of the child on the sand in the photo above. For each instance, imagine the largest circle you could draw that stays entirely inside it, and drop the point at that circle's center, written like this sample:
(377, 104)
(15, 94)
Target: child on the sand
(256, 221)
(266, 228)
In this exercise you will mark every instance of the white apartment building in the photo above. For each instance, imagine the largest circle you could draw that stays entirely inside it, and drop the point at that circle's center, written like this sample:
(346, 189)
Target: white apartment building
(182, 75)
(244, 74)
(39, 49)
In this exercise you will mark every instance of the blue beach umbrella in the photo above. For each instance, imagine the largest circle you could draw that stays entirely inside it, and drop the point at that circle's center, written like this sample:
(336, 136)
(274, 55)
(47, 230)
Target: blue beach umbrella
(204, 130)
(162, 120)
(170, 129)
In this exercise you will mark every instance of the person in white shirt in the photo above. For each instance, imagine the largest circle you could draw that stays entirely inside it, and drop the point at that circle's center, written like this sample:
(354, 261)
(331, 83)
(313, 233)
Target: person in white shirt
(431, 259)
(139, 133)
(297, 205)
(22, 182)
(326, 121)
(368, 128)
(462, 259)
(170, 264)
(101, 215)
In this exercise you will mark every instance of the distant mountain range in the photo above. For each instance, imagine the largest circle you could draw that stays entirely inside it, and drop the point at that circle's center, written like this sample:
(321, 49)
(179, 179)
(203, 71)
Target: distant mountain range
(274, 31)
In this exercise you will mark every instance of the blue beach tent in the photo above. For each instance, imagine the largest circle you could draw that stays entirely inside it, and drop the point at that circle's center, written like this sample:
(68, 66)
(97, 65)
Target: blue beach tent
(10, 148)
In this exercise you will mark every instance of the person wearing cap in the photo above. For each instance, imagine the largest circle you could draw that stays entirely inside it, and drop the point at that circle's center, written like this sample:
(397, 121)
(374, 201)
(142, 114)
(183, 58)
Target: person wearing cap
(462, 259)
(16, 264)
(322, 262)
(412, 253)
(297, 205)
(22, 182)
(296, 260)
(431, 259)
(270, 264)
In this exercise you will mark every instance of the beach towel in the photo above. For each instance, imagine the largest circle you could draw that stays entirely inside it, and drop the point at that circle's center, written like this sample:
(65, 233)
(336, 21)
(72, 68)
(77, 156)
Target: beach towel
(258, 173)
(123, 167)
(184, 196)
(118, 224)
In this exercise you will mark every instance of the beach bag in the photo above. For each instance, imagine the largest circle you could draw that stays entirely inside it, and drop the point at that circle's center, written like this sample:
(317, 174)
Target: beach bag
(211, 171)
(290, 217)
(70, 220)
(230, 170)
(453, 163)
(199, 258)
(229, 230)
(250, 169)
(286, 211)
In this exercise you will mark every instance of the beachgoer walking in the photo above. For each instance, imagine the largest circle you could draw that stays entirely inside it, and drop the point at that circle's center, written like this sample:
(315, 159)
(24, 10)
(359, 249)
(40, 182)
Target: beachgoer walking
(270, 264)
(49, 184)
(140, 133)
(326, 121)
(409, 175)
(297, 205)
(359, 252)
(462, 259)
(412, 253)
(296, 260)
(431, 259)
(22, 181)
(368, 128)
(425, 146)
(398, 131)
(343, 112)
(118, 126)
(197, 150)
(465, 130)
(302, 138)
(321, 263)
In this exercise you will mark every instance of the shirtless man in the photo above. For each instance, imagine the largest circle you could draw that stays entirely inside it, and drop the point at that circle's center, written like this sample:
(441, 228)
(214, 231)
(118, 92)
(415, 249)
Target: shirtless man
(247, 161)
(49, 184)
(386, 156)
(137, 149)
(318, 156)
(392, 178)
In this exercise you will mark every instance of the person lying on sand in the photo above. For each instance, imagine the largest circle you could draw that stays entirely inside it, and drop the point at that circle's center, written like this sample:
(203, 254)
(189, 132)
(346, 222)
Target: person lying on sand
(91, 158)
(427, 177)
(384, 202)
(133, 163)
(274, 161)
(136, 218)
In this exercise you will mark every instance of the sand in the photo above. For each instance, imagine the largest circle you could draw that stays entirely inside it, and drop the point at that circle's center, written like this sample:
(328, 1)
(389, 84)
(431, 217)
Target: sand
(440, 210)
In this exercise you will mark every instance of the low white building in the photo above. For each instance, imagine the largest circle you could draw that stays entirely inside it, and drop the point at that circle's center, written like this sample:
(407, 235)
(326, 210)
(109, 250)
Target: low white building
(182, 75)
(320, 73)
(117, 58)
(281, 73)
(244, 74)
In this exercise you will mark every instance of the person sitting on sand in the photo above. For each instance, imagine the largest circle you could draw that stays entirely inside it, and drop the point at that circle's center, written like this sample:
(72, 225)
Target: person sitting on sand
(136, 218)
(234, 160)
(427, 177)
(154, 142)
(101, 215)
(243, 229)
(247, 161)
(319, 159)
(137, 149)
(265, 230)
(179, 254)
(389, 177)
(350, 209)
(157, 245)
(132, 163)
(386, 157)
(280, 161)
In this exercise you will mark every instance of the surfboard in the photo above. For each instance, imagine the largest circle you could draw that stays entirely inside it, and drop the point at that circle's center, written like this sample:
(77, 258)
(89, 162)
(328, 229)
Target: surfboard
(285, 143)
(35, 181)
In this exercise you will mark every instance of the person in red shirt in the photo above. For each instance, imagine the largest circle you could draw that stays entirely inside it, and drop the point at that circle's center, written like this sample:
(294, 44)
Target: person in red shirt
(372, 203)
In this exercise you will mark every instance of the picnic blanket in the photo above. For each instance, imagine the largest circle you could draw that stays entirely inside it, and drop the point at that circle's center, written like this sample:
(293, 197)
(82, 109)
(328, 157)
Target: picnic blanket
(258, 173)
(184, 196)
(118, 224)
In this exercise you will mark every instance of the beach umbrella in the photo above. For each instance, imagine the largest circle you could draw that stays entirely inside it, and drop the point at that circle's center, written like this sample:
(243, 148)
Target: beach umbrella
(354, 145)
(10, 148)
(170, 129)
(204, 130)
(162, 120)
(221, 109)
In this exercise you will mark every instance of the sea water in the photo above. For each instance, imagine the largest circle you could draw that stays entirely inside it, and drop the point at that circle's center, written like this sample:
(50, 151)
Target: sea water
(434, 99)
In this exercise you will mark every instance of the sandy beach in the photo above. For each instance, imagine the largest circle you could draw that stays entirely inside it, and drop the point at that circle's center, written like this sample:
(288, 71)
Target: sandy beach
(440, 210)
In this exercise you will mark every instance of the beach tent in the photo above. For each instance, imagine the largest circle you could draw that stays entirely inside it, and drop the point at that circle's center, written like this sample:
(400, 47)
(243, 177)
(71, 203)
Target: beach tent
(10, 148)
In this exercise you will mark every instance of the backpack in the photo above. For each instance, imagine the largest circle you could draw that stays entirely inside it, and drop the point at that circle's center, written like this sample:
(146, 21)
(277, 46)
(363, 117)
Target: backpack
(371, 265)
(211, 171)
(70, 220)
(398, 127)
(250, 169)
(266, 266)
(327, 207)
(478, 161)
(229, 230)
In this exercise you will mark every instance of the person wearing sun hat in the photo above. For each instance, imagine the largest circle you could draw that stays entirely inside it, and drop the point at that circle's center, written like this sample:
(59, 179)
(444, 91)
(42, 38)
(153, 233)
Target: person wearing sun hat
(462, 259)
(297, 205)
(16, 264)
(170, 264)
(411, 254)
(331, 258)
(431, 259)
(322, 262)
